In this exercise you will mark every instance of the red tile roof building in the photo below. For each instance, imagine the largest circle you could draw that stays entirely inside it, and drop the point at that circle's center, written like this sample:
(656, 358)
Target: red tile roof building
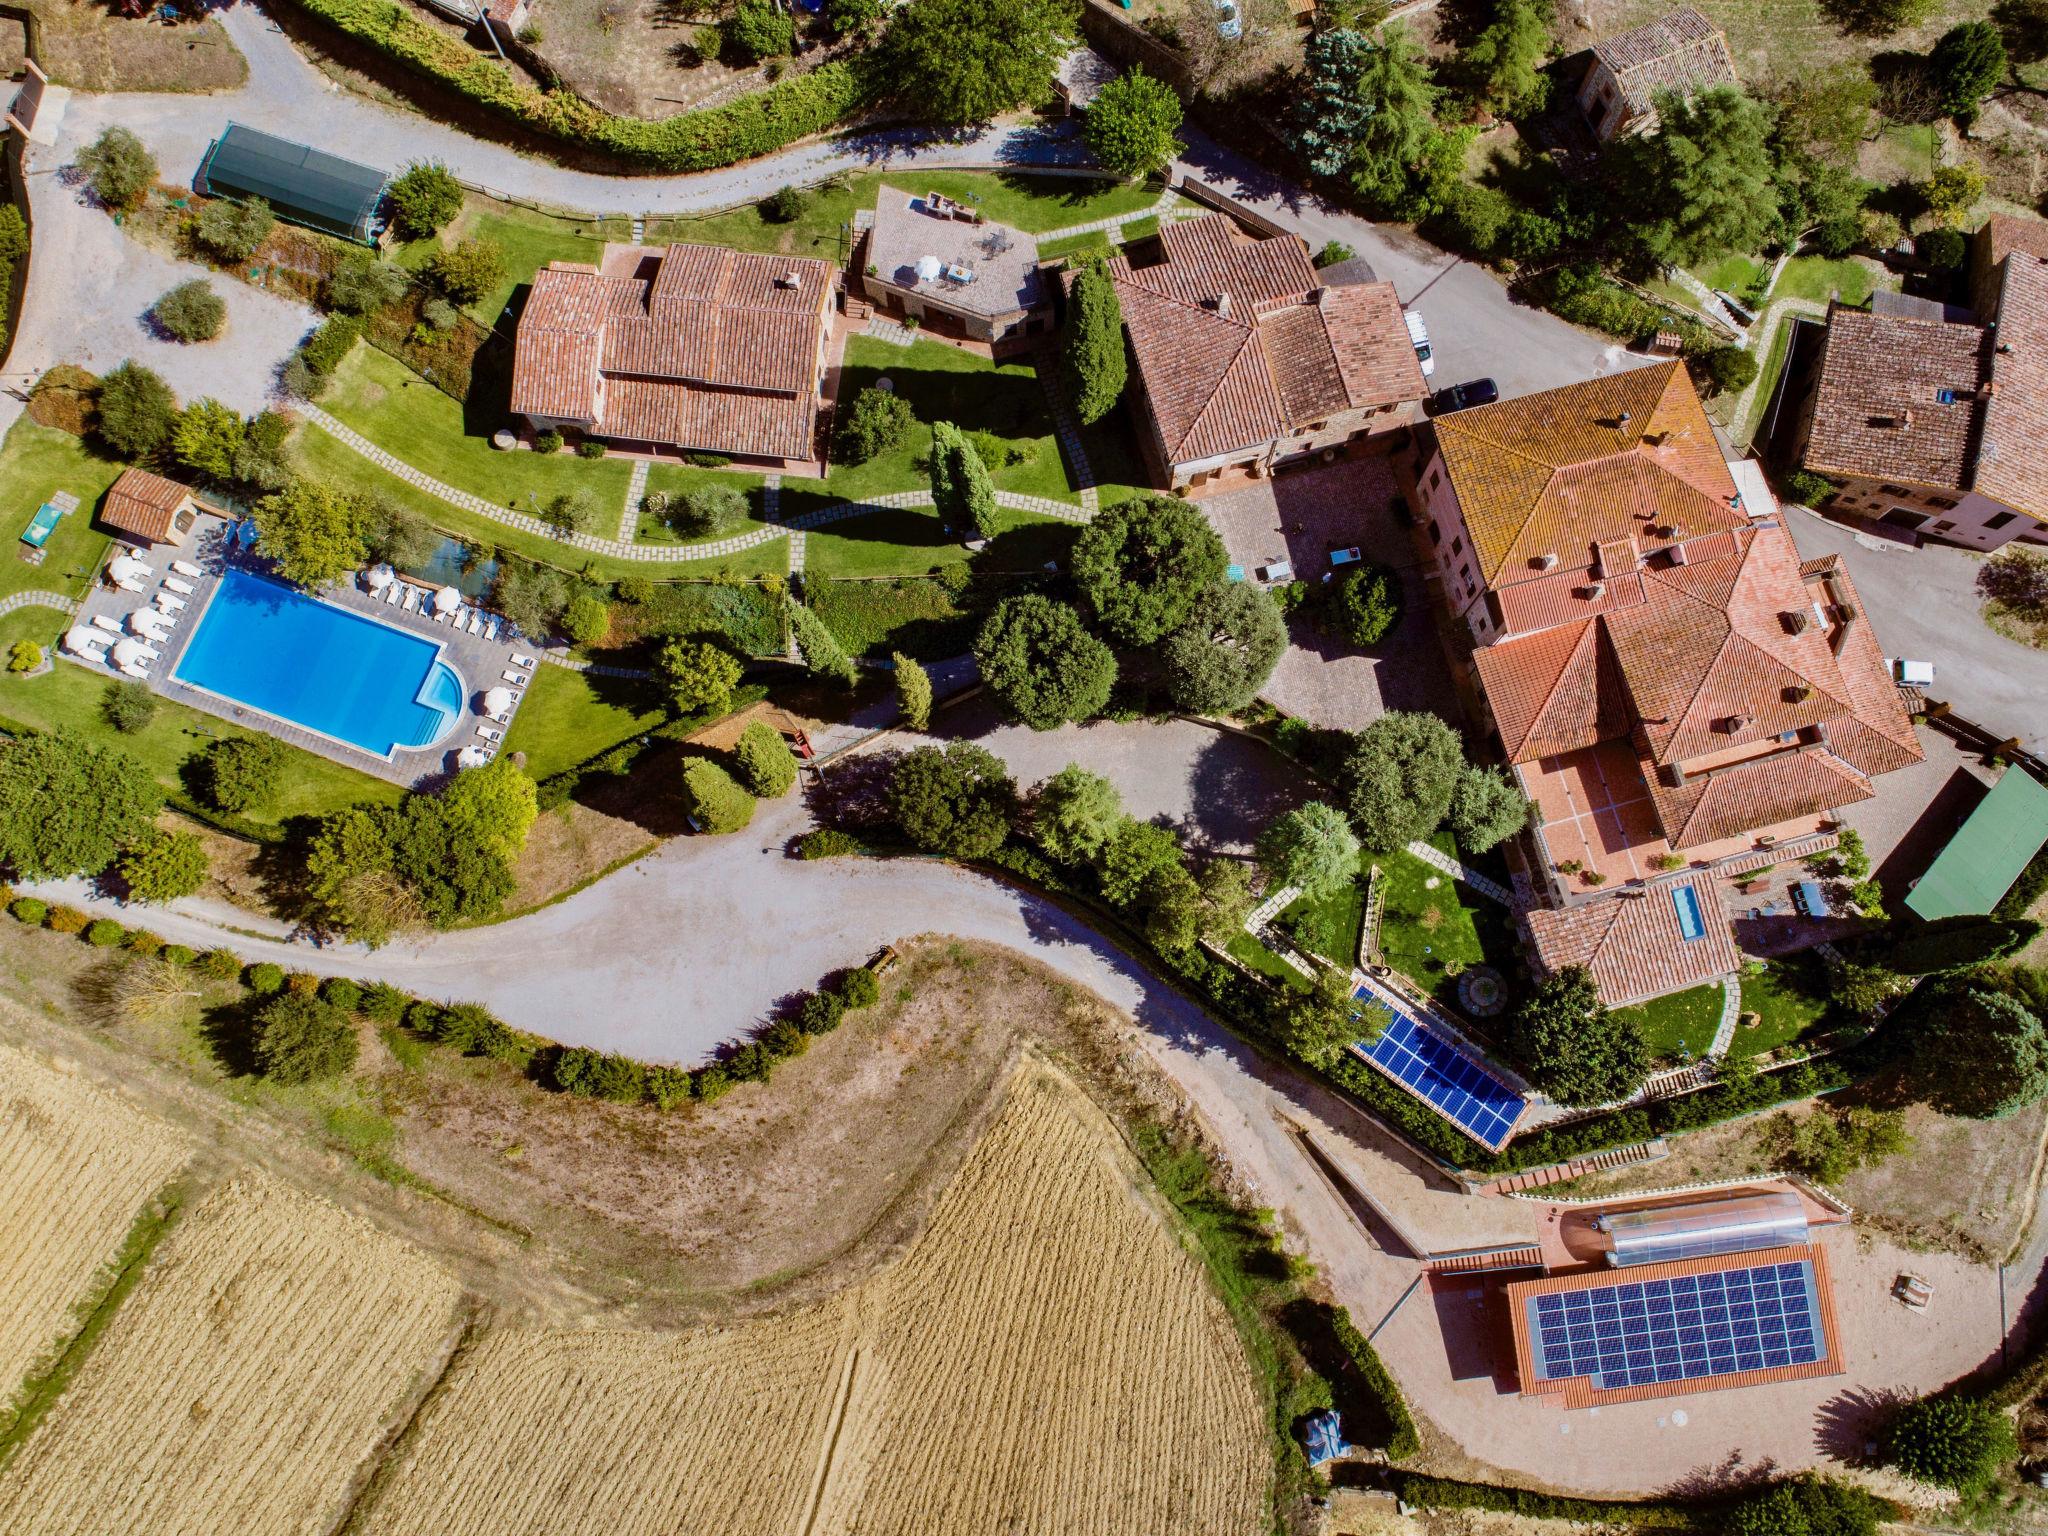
(147, 506)
(1683, 53)
(685, 347)
(1246, 359)
(1666, 676)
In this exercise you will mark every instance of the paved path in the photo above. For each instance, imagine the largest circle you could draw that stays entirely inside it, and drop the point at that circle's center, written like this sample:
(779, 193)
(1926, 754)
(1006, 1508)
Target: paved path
(1485, 885)
(629, 515)
(38, 599)
(1731, 1010)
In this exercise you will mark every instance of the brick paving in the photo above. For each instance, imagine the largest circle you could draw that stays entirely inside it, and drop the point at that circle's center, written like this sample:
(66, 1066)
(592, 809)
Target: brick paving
(629, 515)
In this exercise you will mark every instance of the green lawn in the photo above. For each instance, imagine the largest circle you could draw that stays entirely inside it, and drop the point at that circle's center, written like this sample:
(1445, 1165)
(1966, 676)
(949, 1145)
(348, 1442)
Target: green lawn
(1789, 997)
(1816, 278)
(1731, 274)
(529, 239)
(1328, 925)
(1094, 242)
(917, 616)
(1686, 1019)
(567, 717)
(1432, 933)
(69, 699)
(35, 463)
(1139, 229)
(680, 479)
(910, 541)
(1243, 947)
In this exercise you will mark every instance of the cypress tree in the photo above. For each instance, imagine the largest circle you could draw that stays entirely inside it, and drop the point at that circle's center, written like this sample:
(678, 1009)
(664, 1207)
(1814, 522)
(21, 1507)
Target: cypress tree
(1093, 359)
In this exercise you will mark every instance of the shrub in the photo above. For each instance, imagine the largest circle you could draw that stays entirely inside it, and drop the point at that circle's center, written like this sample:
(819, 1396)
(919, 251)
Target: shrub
(709, 511)
(1333, 252)
(137, 410)
(590, 448)
(239, 774)
(24, 656)
(1807, 488)
(1366, 604)
(191, 311)
(1726, 370)
(1131, 124)
(26, 909)
(877, 421)
(1809, 1505)
(384, 1003)
(128, 705)
(220, 965)
(714, 799)
(342, 993)
(105, 933)
(302, 984)
(362, 284)
(1952, 1442)
(818, 1013)
(1941, 249)
(549, 441)
(119, 169)
(861, 988)
(757, 30)
(144, 944)
(468, 269)
(765, 761)
(424, 197)
(68, 920)
(301, 1039)
(818, 646)
(826, 843)
(164, 866)
(958, 800)
(176, 954)
(785, 205)
(231, 230)
(1093, 365)
(264, 979)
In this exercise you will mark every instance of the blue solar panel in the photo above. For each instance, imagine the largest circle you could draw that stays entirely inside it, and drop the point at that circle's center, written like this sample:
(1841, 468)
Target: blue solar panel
(1444, 1078)
(1639, 1332)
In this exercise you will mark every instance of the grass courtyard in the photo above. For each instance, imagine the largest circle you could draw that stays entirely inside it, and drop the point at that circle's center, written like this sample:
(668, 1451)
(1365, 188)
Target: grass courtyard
(567, 718)
(1680, 1026)
(36, 463)
(530, 240)
(1789, 996)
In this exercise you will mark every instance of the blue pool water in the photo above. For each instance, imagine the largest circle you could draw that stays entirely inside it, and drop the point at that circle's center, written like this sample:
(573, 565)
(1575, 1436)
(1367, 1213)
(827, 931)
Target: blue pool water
(1685, 900)
(312, 664)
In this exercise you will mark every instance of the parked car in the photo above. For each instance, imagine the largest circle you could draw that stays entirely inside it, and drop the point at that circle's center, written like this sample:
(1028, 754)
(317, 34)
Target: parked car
(1419, 334)
(1914, 674)
(1228, 22)
(1459, 397)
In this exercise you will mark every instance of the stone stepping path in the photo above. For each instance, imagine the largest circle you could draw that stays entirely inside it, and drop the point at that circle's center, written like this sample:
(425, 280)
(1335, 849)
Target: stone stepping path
(1161, 206)
(629, 516)
(1485, 885)
(38, 599)
(1731, 1010)
(1066, 428)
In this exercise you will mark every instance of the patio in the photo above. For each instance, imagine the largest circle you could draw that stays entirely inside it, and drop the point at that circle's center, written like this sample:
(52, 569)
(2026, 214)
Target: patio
(483, 660)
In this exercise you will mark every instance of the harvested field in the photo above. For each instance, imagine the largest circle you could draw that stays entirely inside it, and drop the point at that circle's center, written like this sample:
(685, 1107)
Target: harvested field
(247, 1381)
(76, 1166)
(1045, 1358)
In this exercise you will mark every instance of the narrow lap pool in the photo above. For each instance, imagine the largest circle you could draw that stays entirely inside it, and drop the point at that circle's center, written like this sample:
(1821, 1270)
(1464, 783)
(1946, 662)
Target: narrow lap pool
(311, 664)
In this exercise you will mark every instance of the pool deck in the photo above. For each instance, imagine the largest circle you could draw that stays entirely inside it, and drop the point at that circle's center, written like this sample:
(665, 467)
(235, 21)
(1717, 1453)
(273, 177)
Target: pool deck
(479, 662)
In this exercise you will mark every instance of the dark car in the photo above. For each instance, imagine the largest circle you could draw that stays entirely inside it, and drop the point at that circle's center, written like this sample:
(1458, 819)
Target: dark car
(1459, 397)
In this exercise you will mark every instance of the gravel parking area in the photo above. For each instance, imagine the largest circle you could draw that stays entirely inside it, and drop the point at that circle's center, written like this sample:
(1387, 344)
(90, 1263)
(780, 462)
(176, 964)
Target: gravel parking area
(1301, 516)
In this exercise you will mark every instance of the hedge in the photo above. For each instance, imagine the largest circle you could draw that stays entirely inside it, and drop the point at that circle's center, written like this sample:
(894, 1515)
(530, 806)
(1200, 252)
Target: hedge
(1444, 1493)
(1402, 1439)
(756, 124)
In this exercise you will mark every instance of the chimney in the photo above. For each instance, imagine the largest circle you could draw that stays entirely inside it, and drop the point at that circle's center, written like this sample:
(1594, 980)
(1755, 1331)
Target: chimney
(1678, 554)
(1544, 562)
(1596, 590)
(1221, 304)
(789, 280)
(1796, 621)
(1625, 418)
(1906, 417)
(1989, 390)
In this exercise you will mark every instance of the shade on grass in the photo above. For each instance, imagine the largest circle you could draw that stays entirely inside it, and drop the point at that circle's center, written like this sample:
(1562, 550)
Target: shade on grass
(1789, 997)
(567, 717)
(1685, 1019)
(36, 463)
(910, 541)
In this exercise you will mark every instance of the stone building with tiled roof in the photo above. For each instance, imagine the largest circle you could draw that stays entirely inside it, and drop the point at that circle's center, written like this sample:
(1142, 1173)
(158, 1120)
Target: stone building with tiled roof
(1682, 53)
(1935, 425)
(1246, 359)
(1673, 687)
(682, 349)
(149, 507)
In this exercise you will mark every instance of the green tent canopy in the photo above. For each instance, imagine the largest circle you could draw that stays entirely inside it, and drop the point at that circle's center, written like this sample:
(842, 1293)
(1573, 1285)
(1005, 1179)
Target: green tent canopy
(300, 183)
(1986, 855)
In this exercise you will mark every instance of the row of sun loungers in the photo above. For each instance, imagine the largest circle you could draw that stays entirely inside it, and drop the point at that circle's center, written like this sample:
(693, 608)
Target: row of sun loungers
(470, 621)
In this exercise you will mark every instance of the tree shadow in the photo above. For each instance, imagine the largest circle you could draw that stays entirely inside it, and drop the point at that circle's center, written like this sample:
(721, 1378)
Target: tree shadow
(228, 1031)
(853, 794)
(1848, 1425)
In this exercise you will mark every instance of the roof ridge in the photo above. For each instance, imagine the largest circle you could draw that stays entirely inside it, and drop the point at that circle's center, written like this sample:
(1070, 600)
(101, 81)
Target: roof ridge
(1214, 402)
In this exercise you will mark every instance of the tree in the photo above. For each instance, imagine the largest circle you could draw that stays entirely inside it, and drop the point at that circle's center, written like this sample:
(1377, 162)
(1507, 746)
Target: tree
(208, 438)
(1505, 61)
(569, 512)
(313, 531)
(259, 459)
(1402, 127)
(350, 885)
(1576, 1050)
(2016, 578)
(913, 691)
(424, 197)
(714, 798)
(967, 61)
(1131, 124)
(468, 269)
(362, 284)
(709, 510)
(1219, 659)
(164, 867)
(1332, 113)
(136, 411)
(1951, 192)
(1227, 898)
(1829, 1146)
(1367, 603)
(586, 618)
(301, 1039)
(1174, 911)
(1142, 565)
(766, 763)
(67, 806)
(1979, 1053)
(962, 492)
(1861, 990)
(957, 800)
(1878, 18)
(1726, 370)
(1966, 65)
(231, 230)
(1486, 809)
(191, 311)
(1825, 113)
(1075, 813)
(492, 808)
(118, 167)
(1808, 1505)
(1092, 358)
(242, 773)
(2023, 25)
(757, 30)
(698, 675)
(1951, 1442)
(399, 533)
(1135, 861)
(128, 706)
(1312, 847)
(1400, 775)
(1042, 664)
(1705, 183)
(877, 421)
(819, 647)
(856, 19)
(1317, 1025)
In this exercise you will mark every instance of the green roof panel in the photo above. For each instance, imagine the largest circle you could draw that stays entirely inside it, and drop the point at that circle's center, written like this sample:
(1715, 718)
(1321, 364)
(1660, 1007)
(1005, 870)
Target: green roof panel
(303, 184)
(1980, 863)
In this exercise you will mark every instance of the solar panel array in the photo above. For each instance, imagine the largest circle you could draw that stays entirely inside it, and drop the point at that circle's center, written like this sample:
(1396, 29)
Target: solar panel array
(1444, 1078)
(1634, 1333)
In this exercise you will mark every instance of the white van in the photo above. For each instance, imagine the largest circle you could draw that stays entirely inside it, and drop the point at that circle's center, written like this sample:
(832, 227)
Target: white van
(1419, 334)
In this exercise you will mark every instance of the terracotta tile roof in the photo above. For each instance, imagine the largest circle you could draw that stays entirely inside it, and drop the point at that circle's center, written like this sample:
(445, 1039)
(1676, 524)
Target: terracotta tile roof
(1556, 473)
(691, 345)
(144, 504)
(1237, 344)
(1632, 944)
(1682, 52)
(2005, 233)
(2011, 467)
(1877, 412)
(1554, 692)
(1761, 792)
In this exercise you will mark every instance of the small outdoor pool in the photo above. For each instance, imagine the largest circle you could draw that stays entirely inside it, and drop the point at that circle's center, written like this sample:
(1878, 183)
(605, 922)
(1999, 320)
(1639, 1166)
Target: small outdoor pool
(311, 664)
(1686, 901)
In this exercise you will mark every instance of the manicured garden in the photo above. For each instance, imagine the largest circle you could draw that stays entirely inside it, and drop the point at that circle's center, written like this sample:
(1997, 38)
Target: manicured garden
(529, 240)
(1432, 930)
(1789, 996)
(674, 481)
(36, 463)
(1680, 1026)
(911, 541)
(568, 717)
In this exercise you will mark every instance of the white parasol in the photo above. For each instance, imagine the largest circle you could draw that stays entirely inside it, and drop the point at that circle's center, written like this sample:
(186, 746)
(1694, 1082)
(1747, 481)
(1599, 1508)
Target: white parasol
(81, 638)
(130, 651)
(928, 269)
(147, 621)
(379, 577)
(448, 599)
(497, 700)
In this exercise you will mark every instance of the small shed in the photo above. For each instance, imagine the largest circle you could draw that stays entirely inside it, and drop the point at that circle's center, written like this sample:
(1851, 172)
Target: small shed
(152, 509)
(302, 184)
(1980, 863)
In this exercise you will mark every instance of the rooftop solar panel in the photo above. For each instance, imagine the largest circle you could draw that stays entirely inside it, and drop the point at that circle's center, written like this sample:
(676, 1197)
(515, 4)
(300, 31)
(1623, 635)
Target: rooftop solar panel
(1634, 1333)
(1443, 1077)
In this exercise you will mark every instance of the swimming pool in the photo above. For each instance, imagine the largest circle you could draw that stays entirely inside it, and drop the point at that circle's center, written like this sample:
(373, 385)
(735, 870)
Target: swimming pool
(311, 664)
(1685, 900)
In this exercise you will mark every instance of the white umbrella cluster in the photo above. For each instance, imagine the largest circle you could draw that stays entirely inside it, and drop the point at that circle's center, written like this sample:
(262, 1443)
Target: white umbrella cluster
(379, 577)
(148, 622)
(128, 568)
(81, 639)
(447, 600)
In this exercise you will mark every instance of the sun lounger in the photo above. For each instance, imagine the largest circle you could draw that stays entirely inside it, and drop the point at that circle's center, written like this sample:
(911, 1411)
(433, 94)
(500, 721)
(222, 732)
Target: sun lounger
(523, 661)
(182, 588)
(412, 596)
(129, 586)
(516, 679)
(476, 622)
(102, 621)
(491, 627)
(134, 671)
(187, 568)
(168, 603)
(491, 734)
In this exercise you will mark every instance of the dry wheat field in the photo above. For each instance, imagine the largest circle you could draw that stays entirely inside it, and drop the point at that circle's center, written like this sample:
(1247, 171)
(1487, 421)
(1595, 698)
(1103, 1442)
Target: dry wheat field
(77, 1165)
(246, 1382)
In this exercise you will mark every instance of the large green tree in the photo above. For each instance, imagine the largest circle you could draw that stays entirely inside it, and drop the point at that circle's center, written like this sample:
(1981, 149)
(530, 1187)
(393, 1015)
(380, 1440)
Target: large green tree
(1221, 657)
(119, 168)
(1092, 358)
(242, 773)
(714, 798)
(1137, 862)
(491, 807)
(1312, 847)
(1397, 137)
(1705, 184)
(913, 691)
(315, 532)
(1978, 1052)
(208, 438)
(958, 799)
(765, 761)
(1332, 111)
(424, 196)
(1486, 809)
(1317, 1025)
(696, 674)
(1400, 775)
(1576, 1050)
(1075, 813)
(1131, 124)
(1952, 1441)
(962, 492)
(68, 806)
(967, 61)
(136, 410)
(164, 866)
(1505, 61)
(1966, 66)
(1042, 664)
(1142, 566)
(818, 646)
